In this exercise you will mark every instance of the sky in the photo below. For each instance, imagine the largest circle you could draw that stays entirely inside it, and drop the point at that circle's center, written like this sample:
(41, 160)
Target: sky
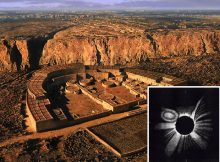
(108, 4)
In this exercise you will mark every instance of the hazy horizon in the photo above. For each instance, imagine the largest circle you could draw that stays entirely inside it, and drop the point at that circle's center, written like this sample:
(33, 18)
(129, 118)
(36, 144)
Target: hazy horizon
(109, 4)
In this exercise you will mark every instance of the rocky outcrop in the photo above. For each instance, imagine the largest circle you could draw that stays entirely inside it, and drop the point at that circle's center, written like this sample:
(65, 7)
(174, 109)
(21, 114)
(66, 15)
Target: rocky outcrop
(16, 55)
(187, 42)
(90, 51)
(13, 55)
(107, 50)
(130, 49)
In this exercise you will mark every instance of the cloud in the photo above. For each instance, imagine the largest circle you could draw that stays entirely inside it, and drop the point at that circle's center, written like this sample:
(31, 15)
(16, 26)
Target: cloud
(48, 4)
(111, 4)
(173, 4)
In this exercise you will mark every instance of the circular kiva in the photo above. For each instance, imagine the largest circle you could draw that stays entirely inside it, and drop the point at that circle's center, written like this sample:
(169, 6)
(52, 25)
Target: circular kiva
(120, 78)
(58, 112)
(128, 80)
(91, 79)
(99, 79)
(133, 84)
(85, 82)
(93, 91)
(118, 83)
(73, 89)
(106, 96)
(90, 87)
(112, 78)
(136, 88)
(137, 82)
(142, 83)
(108, 84)
(144, 86)
(143, 90)
(169, 115)
(71, 82)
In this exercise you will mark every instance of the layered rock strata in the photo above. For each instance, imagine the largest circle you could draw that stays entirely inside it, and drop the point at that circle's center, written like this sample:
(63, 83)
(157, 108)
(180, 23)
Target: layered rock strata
(107, 49)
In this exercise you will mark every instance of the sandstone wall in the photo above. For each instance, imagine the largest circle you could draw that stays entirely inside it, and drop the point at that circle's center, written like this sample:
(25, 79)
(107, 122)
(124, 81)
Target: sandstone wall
(108, 50)
(13, 54)
(130, 49)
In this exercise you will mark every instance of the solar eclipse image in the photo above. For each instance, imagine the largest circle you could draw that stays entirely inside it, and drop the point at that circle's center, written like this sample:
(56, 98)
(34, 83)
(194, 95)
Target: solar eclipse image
(183, 124)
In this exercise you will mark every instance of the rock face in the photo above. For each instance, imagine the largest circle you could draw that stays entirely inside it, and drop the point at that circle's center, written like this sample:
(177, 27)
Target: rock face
(13, 54)
(130, 49)
(109, 50)
(187, 42)
(90, 51)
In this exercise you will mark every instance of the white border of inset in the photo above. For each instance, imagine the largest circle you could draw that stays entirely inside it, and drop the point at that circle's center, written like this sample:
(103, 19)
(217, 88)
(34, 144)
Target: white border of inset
(175, 87)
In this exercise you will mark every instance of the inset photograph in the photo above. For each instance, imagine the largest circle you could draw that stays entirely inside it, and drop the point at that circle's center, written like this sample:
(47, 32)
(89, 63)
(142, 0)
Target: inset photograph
(183, 124)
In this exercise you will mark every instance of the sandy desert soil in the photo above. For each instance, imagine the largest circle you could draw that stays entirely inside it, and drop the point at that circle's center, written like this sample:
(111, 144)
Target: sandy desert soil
(201, 70)
(78, 146)
(12, 104)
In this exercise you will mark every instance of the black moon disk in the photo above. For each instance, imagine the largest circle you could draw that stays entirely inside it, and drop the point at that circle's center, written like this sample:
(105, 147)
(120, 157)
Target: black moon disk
(184, 125)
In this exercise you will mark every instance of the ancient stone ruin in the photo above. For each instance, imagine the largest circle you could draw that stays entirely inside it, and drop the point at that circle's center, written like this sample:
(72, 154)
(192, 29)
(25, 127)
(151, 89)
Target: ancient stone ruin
(60, 96)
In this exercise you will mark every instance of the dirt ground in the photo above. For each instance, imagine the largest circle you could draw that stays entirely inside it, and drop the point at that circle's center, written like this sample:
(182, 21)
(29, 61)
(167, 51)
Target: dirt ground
(82, 105)
(122, 93)
(200, 70)
(12, 97)
(125, 135)
(78, 146)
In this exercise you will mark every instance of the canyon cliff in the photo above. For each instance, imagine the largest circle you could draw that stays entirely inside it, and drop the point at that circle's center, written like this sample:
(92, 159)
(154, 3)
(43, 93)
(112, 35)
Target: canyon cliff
(13, 55)
(132, 49)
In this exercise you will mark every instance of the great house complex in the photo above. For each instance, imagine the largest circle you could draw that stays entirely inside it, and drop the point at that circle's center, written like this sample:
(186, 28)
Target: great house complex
(60, 96)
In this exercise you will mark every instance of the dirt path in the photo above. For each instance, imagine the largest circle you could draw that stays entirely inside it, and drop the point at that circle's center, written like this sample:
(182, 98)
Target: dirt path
(64, 131)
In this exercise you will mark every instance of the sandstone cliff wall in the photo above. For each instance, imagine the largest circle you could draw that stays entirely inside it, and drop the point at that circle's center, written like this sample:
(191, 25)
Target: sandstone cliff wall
(130, 49)
(13, 55)
(108, 50)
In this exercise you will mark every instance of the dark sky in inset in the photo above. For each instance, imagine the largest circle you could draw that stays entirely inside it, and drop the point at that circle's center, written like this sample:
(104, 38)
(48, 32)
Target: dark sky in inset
(109, 4)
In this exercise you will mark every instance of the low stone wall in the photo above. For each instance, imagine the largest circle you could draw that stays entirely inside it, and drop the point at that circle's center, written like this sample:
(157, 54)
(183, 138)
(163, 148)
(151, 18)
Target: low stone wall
(116, 108)
(125, 107)
(104, 143)
(134, 152)
(109, 67)
(37, 124)
(62, 72)
(44, 125)
(137, 111)
(57, 124)
(95, 98)
(154, 78)
(142, 78)
(135, 92)
(98, 75)
(115, 72)
(92, 117)
(61, 80)
(31, 118)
